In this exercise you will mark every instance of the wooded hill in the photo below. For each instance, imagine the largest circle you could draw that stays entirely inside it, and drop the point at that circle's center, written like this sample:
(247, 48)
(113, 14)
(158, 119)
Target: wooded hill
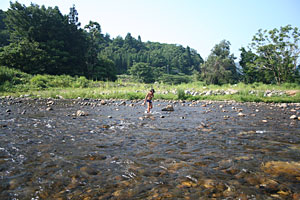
(40, 40)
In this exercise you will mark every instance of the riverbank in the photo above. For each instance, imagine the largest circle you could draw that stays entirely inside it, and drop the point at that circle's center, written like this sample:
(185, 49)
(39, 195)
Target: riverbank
(191, 92)
(19, 84)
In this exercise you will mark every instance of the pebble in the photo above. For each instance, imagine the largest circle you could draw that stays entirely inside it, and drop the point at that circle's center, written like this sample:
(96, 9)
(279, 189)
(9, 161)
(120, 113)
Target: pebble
(109, 116)
(293, 117)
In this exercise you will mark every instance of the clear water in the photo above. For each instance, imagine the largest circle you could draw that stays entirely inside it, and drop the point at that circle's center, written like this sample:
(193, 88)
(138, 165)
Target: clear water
(192, 153)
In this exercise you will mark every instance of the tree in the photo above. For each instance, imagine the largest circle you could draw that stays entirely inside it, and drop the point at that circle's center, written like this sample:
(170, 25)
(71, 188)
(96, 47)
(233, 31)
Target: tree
(31, 58)
(62, 44)
(277, 53)
(4, 34)
(142, 72)
(73, 16)
(219, 68)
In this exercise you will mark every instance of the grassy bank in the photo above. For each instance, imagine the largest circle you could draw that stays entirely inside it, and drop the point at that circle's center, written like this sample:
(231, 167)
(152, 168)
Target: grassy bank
(16, 83)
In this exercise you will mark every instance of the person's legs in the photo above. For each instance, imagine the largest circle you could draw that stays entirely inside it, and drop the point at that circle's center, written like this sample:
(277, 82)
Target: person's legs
(148, 107)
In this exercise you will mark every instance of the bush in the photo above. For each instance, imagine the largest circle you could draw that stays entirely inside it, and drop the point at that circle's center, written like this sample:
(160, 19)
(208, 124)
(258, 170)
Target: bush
(81, 82)
(13, 76)
(290, 85)
(181, 94)
(60, 81)
(40, 81)
(175, 79)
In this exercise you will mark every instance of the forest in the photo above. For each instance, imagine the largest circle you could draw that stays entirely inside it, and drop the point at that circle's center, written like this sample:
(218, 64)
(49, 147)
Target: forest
(39, 40)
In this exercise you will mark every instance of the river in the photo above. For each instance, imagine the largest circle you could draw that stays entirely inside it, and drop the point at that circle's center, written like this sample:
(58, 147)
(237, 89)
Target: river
(201, 150)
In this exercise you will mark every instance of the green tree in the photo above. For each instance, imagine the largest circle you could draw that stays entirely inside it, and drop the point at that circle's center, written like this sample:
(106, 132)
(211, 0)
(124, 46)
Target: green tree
(277, 52)
(4, 34)
(251, 73)
(219, 68)
(73, 16)
(62, 43)
(142, 72)
(31, 58)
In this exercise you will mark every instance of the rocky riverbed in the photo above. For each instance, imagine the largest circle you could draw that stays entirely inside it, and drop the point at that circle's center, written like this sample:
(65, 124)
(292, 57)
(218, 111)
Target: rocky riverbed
(106, 149)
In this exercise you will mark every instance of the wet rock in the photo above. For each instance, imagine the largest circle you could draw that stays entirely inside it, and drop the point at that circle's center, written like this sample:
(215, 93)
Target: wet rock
(209, 183)
(187, 184)
(81, 113)
(123, 103)
(13, 184)
(264, 121)
(49, 108)
(277, 168)
(225, 117)
(296, 196)
(168, 108)
(96, 157)
(293, 117)
(8, 110)
(283, 105)
(50, 102)
(103, 102)
(109, 116)
(105, 126)
(269, 185)
(241, 114)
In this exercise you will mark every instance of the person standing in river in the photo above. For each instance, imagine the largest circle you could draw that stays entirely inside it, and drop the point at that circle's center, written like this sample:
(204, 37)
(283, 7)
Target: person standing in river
(148, 99)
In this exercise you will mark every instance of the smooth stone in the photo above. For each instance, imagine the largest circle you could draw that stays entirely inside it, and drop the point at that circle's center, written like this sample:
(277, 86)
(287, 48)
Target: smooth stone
(49, 108)
(168, 108)
(81, 113)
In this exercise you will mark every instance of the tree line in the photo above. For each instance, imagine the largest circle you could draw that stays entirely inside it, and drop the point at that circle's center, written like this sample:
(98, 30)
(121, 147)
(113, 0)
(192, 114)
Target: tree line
(40, 40)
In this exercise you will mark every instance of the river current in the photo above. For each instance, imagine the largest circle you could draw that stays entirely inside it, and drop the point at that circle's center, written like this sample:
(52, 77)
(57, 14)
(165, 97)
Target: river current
(201, 150)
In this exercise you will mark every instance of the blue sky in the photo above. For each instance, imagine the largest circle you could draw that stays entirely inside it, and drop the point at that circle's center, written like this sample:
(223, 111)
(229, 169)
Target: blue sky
(200, 24)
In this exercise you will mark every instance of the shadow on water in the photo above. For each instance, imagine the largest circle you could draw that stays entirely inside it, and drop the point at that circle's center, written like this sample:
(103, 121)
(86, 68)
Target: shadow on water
(201, 150)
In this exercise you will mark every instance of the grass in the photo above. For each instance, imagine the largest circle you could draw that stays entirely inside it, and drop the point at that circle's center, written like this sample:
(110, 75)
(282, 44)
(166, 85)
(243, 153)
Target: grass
(16, 83)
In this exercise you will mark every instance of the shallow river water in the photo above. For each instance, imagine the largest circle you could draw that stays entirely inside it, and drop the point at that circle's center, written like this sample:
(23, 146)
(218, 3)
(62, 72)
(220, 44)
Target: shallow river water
(202, 150)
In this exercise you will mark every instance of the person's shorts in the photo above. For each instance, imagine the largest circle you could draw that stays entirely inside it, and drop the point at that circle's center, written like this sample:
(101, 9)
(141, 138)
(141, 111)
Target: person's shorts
(149, 101)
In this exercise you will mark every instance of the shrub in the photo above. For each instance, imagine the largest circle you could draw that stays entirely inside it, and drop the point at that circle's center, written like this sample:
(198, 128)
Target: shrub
(13, 76)
(180, 94)
(39, 81)
(81, 82)
(175, 79)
